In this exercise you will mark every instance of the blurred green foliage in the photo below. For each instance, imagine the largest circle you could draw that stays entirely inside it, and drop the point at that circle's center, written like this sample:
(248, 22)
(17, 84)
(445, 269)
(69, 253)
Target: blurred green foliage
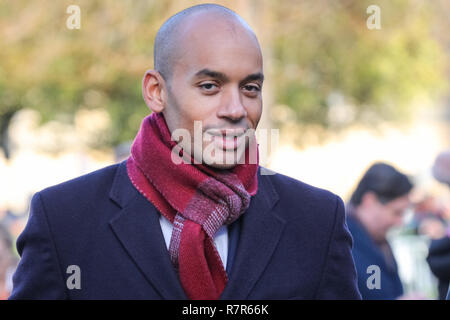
(325, 47)
(50, 68)
(317, 48)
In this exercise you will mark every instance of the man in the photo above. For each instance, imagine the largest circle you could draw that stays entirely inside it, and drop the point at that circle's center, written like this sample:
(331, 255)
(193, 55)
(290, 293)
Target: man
(377, 205)
(176, 222)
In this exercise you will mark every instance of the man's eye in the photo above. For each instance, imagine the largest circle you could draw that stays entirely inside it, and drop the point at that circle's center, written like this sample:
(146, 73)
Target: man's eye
(208, 86)
(252, 88)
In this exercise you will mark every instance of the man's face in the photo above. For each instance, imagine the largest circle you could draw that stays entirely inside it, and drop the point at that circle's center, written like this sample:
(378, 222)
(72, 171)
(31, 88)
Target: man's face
(217, 81)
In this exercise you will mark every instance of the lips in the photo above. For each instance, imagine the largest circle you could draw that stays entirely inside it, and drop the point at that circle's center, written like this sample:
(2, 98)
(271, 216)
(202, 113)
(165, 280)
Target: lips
(227, 139)
(227, 132)
(226, 144)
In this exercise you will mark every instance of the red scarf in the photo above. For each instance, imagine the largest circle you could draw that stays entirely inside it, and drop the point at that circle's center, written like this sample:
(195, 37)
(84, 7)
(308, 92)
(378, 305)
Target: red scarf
(196, 199)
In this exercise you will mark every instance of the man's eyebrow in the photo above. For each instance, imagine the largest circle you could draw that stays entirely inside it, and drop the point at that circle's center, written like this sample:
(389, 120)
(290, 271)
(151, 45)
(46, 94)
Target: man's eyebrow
(212, 74)
(252, 77)
(223, 77)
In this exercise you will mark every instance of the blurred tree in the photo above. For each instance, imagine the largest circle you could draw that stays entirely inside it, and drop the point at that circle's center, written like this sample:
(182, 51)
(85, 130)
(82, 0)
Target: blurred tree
(325, 55)
(320, 52)
(50, 68)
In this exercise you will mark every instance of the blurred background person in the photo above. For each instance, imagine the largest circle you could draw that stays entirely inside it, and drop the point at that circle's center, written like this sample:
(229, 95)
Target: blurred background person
(429, 218)
(8, 262)
(377, 205)
(439, 251)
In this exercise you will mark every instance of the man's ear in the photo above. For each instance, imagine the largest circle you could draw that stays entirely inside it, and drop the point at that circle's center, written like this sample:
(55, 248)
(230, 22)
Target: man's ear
(154, 90)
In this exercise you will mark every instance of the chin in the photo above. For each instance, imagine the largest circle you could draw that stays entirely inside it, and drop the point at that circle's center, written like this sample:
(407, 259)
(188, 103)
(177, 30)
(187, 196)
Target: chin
(221, 163)
(222, 166)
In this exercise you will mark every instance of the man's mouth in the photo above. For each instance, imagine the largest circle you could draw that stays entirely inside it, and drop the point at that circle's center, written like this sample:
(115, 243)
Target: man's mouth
(226, 139)
(227, 132)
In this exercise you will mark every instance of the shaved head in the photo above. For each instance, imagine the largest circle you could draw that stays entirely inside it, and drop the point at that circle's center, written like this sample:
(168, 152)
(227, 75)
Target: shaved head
(169, 45)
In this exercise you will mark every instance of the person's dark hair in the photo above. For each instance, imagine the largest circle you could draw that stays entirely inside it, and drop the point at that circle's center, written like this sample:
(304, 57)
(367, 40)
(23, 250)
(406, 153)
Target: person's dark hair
(384, 181)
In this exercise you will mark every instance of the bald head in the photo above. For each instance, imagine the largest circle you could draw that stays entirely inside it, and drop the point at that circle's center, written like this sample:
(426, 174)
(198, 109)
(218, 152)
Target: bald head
(170, 41)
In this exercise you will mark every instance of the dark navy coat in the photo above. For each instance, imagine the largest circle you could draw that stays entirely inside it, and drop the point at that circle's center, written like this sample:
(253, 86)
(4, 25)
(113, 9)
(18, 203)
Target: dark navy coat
(366, 253)
(292, 243)
(439, 262)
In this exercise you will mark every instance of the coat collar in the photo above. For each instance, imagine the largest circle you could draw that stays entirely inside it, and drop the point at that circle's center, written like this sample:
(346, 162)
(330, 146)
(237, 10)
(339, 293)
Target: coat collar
(137, 227)
(260, 231)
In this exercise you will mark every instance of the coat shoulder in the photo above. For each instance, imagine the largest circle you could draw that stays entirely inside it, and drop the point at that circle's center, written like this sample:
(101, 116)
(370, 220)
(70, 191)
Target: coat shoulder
(80, 206)
(86, 193)
(298, 193)
(85, 185)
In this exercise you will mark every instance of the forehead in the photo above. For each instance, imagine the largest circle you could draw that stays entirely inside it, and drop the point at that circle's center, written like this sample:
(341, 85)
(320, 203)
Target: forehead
(217, 44)
(399, 203)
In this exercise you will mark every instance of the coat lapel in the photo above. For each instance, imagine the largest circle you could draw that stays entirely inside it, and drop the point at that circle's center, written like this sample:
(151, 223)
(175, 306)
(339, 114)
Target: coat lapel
(137, 228)
(260, 232)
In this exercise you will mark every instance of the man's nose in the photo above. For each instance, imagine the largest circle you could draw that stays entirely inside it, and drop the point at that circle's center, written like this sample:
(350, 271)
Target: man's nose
(232, 107)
